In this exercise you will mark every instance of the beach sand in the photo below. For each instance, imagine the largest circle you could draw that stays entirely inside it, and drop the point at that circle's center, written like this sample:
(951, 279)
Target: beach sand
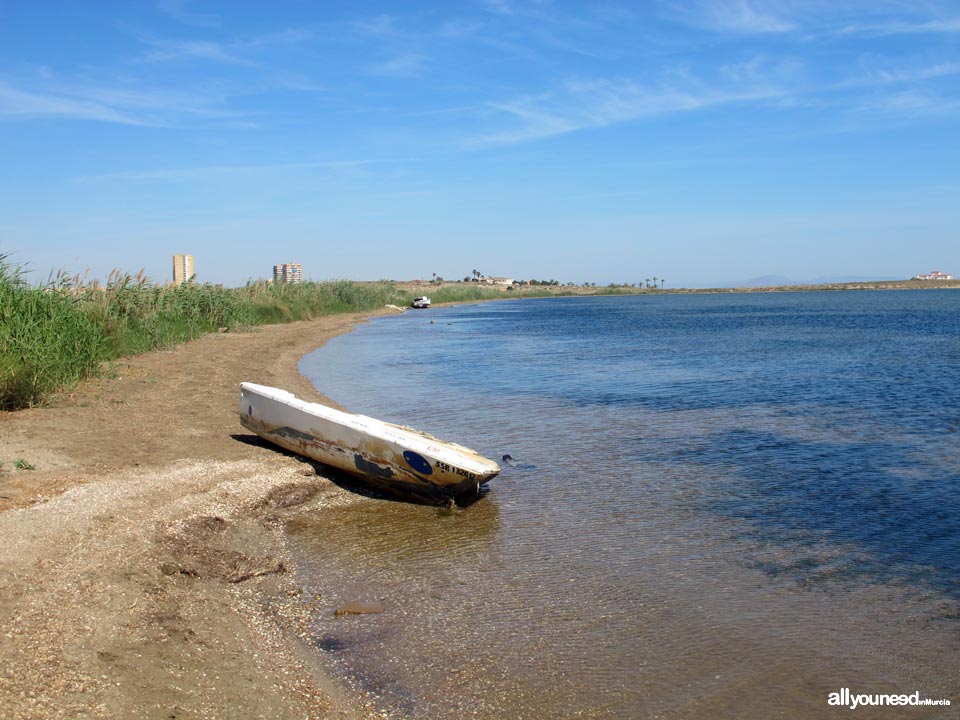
(143, 570)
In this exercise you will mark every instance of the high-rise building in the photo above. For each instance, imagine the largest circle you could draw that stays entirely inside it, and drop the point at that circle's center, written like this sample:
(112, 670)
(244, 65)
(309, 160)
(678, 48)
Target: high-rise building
(182, 268)
(288, 273)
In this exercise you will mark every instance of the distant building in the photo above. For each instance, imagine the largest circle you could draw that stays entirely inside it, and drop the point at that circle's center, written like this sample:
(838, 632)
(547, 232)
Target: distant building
(182, 268)
(934, 275)
(288, 273)
(497, 280)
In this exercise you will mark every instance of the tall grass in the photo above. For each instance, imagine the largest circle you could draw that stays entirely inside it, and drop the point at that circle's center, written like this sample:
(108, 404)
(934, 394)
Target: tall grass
(47, 339)
(55, 334)
(279, 302)
(138, 316)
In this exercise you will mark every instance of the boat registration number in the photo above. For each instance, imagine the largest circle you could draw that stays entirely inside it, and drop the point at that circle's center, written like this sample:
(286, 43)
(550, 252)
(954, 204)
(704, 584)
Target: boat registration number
(455, 470)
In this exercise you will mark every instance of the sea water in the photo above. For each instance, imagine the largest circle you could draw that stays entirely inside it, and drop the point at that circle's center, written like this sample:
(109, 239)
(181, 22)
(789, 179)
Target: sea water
(727, 505)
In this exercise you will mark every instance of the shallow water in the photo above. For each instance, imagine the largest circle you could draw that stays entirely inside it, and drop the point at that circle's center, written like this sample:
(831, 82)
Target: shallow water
(719, 505)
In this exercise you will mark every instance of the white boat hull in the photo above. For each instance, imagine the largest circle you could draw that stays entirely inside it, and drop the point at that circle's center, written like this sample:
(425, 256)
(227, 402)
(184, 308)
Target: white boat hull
(397, 459)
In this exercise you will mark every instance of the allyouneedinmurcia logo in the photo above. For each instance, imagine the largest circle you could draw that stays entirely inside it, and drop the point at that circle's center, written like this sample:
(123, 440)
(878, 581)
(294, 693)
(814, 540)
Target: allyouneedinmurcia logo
(845, 698)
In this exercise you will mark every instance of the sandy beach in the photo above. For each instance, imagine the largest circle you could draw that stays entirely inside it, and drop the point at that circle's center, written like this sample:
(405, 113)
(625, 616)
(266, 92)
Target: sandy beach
(143, 571)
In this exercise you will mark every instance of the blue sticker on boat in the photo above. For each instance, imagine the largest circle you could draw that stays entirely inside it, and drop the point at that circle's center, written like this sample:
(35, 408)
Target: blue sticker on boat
(418, 462)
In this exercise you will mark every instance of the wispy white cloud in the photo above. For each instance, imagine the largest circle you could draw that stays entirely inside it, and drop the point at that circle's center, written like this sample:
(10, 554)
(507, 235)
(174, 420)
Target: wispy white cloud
(406, 65)
(593, 104)
(460, 28)
(735, 16)
(948, 25)
(400, 50)
(498, 7)
(538, 26)
(909, 104)
(124, 106)
(236, 52)
(762, 68)
(16, 103)
(180, 11)
(164, 103)
(130, 100)
(187, 173)
(289, 36)
(818, 18)
(166, 50)
(772, 79)
(877, 71)
(294, 82)
(378, 25)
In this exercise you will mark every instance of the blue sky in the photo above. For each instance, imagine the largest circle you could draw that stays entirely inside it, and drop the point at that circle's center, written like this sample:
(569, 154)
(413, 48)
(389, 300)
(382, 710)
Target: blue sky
(701, 142)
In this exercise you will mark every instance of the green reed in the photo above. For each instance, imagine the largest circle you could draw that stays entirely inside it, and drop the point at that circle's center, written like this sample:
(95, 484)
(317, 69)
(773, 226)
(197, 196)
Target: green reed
(55, 334)
(47, 339)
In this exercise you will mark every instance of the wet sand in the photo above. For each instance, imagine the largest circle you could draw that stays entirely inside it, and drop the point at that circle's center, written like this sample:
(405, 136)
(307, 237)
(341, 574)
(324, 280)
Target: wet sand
(143, 567)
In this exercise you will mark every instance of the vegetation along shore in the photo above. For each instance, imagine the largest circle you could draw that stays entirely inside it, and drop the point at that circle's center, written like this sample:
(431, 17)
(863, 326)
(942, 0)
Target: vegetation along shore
(55, 334)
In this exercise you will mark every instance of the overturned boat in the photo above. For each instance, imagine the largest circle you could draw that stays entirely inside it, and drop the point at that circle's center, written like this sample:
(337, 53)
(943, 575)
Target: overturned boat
(397, 459)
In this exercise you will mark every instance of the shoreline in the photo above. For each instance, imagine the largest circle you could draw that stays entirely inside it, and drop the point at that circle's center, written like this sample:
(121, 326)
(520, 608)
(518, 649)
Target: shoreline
(421, 287)
(144, 571)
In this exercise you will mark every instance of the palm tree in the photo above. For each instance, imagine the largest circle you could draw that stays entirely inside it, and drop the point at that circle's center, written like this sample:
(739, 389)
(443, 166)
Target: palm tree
(654, 282)
(646, 283)
(662, 281)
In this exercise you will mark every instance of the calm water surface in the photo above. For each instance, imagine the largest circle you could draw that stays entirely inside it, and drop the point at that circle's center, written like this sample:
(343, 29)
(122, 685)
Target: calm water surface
(719, 506)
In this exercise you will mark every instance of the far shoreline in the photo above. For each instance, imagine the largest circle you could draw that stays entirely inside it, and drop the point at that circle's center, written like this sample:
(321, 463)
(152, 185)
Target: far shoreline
(424, 287)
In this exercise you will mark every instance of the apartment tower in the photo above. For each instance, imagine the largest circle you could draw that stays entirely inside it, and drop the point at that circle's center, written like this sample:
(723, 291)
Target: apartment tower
(288, 273)
(182, 268)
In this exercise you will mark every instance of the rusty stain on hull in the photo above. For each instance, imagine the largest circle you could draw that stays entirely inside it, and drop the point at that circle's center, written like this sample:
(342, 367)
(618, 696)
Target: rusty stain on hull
(397, 459)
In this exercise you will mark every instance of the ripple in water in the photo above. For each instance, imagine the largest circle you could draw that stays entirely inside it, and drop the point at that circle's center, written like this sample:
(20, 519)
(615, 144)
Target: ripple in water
(718, 506)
